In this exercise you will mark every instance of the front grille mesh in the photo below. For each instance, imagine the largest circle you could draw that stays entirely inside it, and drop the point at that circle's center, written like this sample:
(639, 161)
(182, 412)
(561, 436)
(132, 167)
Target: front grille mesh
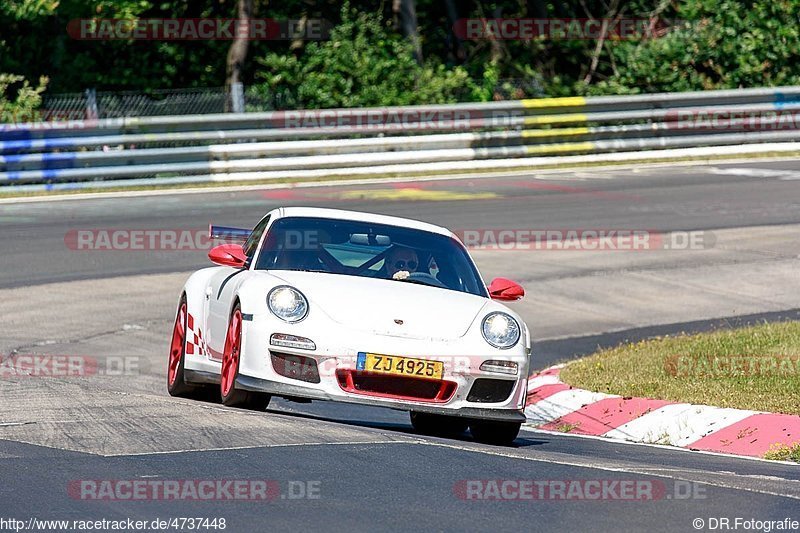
(490, 390)
(295, 367)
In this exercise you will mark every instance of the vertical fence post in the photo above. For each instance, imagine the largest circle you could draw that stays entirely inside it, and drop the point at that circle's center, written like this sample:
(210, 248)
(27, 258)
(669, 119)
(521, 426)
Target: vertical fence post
(237, 97)
(91, 104)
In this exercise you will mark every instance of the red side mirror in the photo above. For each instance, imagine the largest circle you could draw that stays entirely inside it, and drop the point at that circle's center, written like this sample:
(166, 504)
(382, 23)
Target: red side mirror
(231, 255)
(505, 289)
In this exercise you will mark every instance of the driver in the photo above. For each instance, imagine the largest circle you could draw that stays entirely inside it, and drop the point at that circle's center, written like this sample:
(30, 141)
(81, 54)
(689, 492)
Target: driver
(399, 259)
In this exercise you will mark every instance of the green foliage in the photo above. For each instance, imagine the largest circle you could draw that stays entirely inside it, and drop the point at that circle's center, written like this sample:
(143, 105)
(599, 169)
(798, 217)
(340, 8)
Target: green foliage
(719, 45)
(783, 452)
(363, 64)
(28, 9)
(22, 106)
(484, 91)
(711, 44)
(37, 42)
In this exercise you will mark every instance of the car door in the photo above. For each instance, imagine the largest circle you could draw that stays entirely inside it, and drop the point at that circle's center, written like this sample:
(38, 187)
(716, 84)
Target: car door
(219, 297)
(221, 290)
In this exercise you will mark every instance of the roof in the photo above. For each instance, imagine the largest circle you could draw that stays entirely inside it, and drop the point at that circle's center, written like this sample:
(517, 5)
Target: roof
(358, 216)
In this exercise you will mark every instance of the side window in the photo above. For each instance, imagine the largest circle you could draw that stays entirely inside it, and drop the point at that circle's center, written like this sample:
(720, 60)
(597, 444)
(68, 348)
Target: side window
(251, 244)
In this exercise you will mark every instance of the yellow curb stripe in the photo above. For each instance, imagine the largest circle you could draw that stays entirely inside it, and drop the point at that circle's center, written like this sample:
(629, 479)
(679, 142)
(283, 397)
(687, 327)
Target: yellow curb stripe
(561, 132)
(560, 148)
(555, 119)
(568, 101)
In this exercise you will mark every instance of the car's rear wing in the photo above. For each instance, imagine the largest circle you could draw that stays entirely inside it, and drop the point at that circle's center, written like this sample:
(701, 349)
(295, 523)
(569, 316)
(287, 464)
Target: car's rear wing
(225, 233)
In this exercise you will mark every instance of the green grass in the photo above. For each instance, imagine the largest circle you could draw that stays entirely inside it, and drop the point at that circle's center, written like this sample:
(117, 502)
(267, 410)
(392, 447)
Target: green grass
(754, 368)
(782, 452)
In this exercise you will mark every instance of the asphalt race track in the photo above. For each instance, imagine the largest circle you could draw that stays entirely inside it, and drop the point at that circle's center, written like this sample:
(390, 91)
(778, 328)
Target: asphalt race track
(349, 468)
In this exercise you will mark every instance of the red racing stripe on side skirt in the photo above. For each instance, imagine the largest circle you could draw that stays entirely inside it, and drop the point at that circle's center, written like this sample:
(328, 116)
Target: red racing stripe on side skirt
(603, 416)
(752, 436)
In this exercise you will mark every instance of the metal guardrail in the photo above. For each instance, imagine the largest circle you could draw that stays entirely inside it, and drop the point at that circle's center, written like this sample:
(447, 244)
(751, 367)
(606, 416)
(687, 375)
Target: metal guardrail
(257, 145)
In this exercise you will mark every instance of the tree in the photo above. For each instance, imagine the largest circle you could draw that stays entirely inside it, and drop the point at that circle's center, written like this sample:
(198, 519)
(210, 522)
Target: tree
(405, 12)
(237, 54)
(21, 106)
(719, 45)
(363, 64)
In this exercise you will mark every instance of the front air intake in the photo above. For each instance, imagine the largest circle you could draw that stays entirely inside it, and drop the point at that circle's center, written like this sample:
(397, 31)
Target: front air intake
(295, 367)
(490, 390)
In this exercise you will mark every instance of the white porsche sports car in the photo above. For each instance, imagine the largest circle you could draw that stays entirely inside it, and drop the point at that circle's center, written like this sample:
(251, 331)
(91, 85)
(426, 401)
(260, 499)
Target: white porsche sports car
(323, 304)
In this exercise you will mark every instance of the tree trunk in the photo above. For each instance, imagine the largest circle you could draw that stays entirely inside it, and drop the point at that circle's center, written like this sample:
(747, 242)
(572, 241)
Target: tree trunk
(536, 9)
(496, 45)
(237, 54)
(405, 12)
(457, 45)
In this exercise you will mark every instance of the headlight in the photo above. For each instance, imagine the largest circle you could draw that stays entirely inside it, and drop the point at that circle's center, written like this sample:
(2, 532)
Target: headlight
(287, 303)
(500, 330)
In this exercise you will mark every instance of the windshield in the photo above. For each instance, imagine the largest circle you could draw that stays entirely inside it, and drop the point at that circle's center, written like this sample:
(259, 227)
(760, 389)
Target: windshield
(369, 250)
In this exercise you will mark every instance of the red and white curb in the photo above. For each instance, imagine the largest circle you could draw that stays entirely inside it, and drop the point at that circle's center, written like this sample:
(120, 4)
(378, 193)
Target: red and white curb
(555, 406)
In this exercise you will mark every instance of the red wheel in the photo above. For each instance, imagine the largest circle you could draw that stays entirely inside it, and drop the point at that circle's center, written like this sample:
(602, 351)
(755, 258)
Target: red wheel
(230, 358)
(232, 397)
(176, 384)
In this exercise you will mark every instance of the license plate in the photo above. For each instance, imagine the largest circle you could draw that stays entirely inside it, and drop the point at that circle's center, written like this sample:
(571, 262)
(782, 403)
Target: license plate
(400, 366)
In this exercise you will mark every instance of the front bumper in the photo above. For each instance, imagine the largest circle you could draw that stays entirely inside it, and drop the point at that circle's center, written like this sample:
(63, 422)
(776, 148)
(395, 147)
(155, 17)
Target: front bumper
(295, 391)
(336, 354)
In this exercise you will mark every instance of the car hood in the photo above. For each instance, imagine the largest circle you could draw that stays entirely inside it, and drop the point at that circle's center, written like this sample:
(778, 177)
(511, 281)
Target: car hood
(376, 305)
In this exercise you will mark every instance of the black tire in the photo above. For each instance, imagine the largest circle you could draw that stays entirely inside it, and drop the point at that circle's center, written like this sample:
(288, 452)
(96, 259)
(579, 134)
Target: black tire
(177, 384)
(498, 433)
(250, 400)
(438, 425)
(233, 397)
